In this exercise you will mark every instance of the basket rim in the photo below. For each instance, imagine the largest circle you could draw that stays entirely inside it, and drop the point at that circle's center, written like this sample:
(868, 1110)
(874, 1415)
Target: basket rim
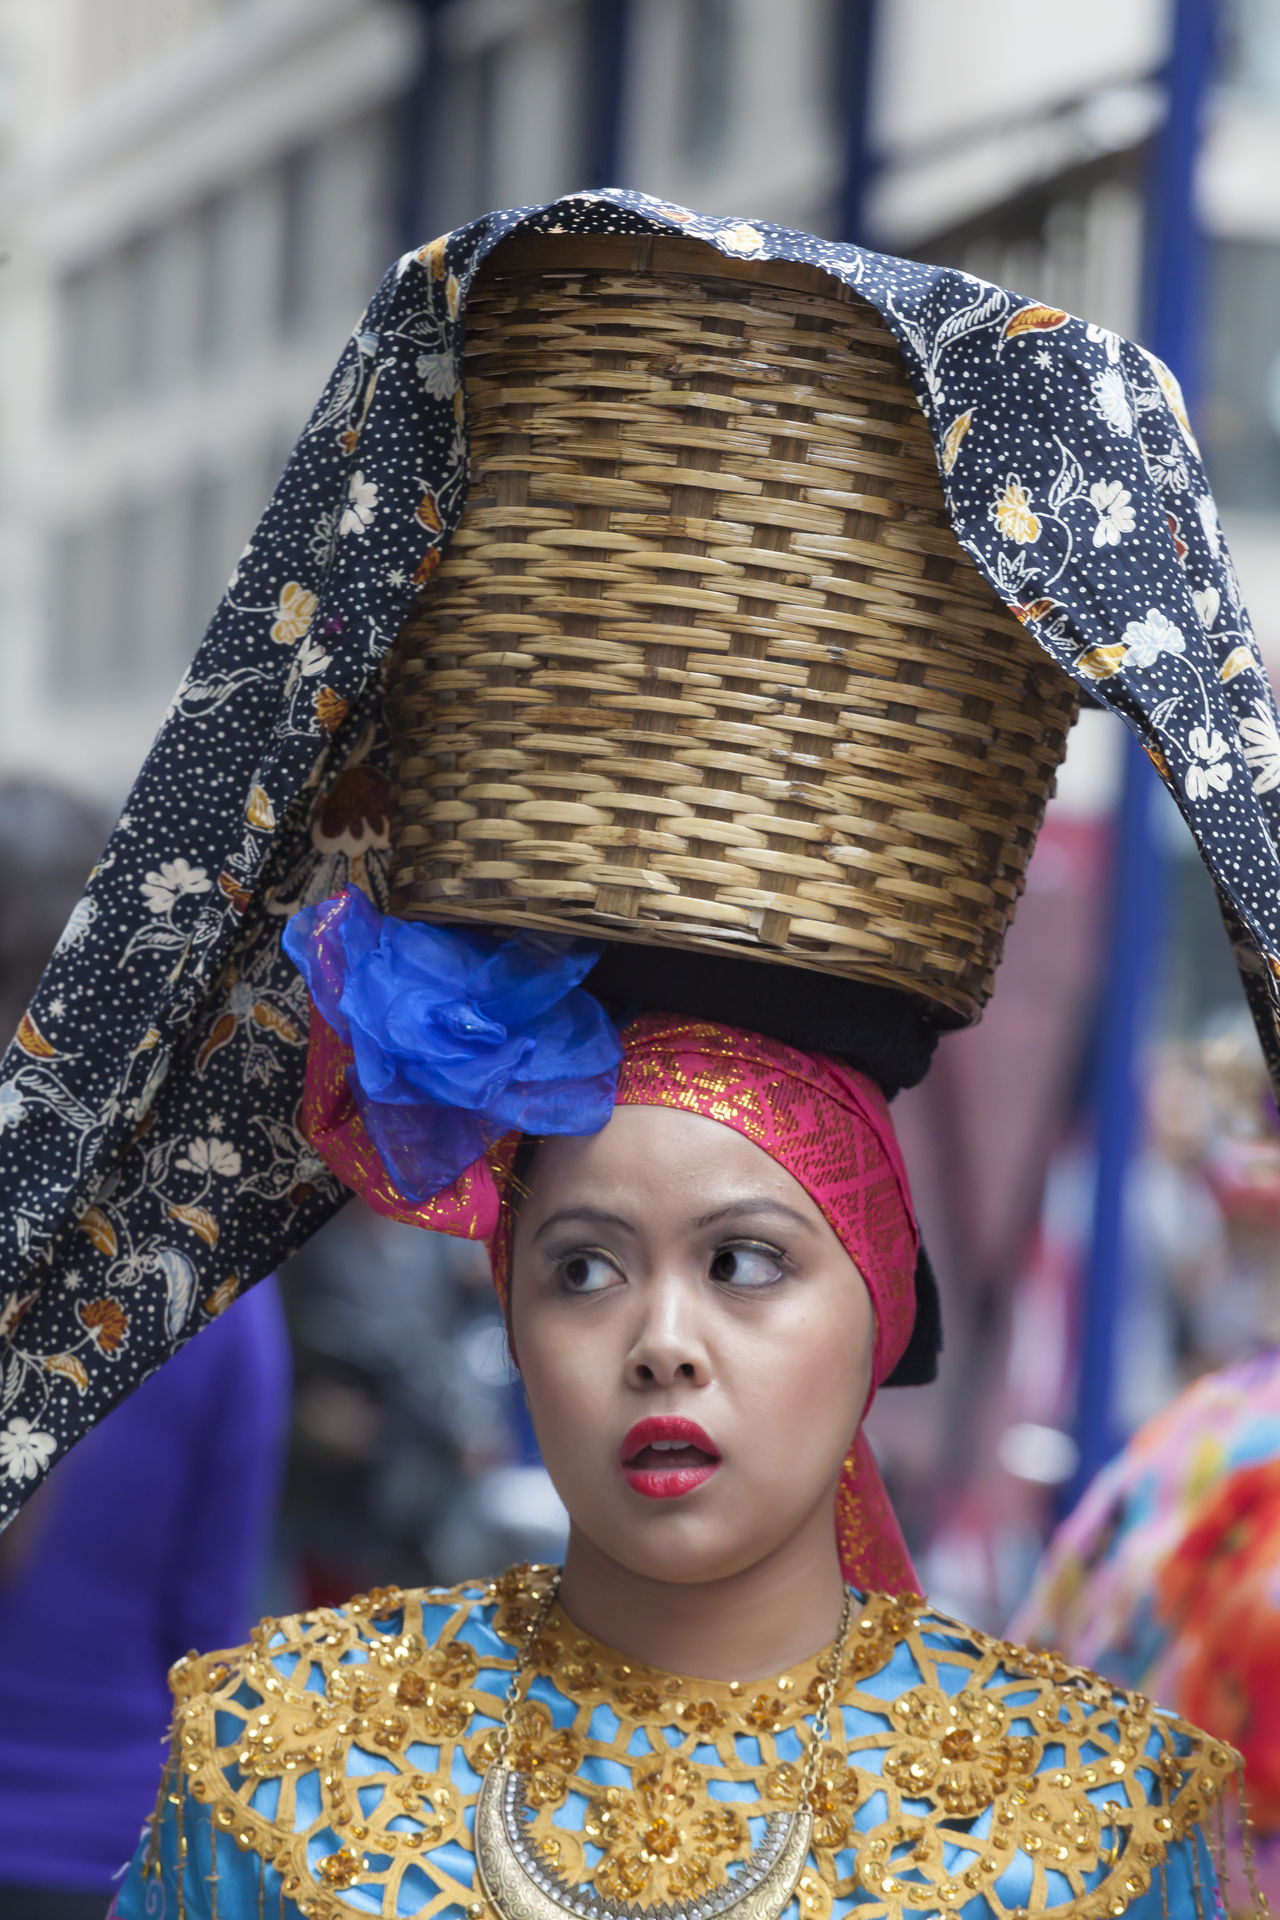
(659, 255)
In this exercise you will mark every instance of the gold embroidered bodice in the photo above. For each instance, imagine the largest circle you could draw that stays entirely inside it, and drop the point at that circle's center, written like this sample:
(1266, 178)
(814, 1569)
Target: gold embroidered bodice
(336, 1761)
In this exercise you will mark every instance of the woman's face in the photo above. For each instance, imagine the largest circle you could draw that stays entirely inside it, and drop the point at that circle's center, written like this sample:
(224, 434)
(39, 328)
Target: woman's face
(694, 1340)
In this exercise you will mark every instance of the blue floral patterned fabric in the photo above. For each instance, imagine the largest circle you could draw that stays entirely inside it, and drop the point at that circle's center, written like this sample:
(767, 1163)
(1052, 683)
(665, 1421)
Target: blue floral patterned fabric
(150, 1163)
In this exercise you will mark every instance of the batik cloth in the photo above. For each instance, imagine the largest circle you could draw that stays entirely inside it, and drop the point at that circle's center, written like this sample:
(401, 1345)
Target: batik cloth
(150, 1161)
(828, 1126)
(331, 1768)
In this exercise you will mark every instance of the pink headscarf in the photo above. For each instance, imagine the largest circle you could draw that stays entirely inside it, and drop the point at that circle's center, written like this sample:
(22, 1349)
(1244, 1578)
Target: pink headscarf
(828, 1126)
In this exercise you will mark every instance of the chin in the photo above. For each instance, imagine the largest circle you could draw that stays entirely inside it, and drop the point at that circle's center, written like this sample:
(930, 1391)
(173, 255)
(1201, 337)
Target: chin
(681, 1548)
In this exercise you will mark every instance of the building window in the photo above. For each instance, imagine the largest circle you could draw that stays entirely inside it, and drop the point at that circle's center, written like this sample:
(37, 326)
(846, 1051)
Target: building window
(97, 351)
(294, 293)
(74, 591)
(1243, 375)
(209, 562)
(75, 335)
(94, 584)
(708, 78)
(1251, 49)
(217, 268)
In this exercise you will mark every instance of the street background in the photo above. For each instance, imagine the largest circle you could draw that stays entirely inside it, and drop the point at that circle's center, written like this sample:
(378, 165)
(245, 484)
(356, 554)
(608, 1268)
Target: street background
(196, 198)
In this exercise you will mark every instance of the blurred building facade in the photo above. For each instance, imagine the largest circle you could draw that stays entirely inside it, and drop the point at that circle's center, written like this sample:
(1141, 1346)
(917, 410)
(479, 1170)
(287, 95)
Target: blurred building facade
(198, 195)
(197, 198)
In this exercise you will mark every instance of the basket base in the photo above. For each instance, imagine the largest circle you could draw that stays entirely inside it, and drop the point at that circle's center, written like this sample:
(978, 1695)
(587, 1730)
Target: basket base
(942, 1010)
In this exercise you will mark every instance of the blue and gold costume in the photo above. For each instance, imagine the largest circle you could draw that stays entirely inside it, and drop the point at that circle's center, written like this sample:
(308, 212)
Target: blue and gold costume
(331, 1768)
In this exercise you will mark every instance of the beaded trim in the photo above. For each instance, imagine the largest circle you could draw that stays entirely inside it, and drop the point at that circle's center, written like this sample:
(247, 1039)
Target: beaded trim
(1083, 1782)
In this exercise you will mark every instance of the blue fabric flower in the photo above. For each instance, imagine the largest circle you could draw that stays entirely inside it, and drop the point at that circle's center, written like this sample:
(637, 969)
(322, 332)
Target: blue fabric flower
(458, 1035)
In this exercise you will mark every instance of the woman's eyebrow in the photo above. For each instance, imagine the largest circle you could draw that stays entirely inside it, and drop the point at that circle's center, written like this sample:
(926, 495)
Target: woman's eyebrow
(591, 1216)
(738, 1209)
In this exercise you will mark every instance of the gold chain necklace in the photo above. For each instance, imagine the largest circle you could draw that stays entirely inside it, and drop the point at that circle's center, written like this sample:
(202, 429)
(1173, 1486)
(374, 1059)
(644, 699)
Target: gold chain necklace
(522, 1886)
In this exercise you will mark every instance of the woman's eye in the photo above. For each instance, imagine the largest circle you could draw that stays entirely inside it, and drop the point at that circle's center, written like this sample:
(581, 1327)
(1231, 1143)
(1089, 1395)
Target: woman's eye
(747, 1266)
(588, 1273)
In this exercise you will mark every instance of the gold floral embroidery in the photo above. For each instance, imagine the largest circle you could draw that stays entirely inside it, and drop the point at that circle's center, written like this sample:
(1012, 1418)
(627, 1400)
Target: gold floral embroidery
(519, 1593)
(957, 1749)
(704, 1716)
(547, 1756)
(1024, 1742)
(834, 1798)
(664, 1840)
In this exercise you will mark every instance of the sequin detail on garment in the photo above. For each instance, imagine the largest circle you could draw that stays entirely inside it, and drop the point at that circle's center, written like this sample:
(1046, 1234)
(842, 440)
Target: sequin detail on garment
(343, 1750)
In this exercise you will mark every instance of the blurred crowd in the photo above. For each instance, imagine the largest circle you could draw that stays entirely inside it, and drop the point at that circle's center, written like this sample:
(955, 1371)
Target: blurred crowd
(1204, 1281)
(411, 1456)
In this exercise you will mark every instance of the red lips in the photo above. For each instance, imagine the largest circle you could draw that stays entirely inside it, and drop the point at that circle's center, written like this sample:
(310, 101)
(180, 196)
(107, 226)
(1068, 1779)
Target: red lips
(665, 1456)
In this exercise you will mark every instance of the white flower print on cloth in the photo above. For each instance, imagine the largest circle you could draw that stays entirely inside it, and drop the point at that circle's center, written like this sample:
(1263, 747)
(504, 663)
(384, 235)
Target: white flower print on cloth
(81, 918)
(1210, 771)
(362, 501)
(24, 1452)
(1207, 509)
(181, 1004)
(211, 1156)
(162, 888)
(1111, 398)
(1147, 639)
(1260, 742)
(438, 375)
(1208, 604)
(1115, 515)
(311, 659)
(1168, 469)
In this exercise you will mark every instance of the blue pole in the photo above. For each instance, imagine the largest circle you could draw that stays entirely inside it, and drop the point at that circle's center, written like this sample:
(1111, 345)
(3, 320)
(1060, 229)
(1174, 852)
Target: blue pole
(1171, 303)
(1174, 263)
(857, 21)
(411, 184)
(608, 27)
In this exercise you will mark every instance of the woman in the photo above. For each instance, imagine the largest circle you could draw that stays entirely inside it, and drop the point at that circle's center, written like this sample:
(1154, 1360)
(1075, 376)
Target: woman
(696, 1712)
(752, 469)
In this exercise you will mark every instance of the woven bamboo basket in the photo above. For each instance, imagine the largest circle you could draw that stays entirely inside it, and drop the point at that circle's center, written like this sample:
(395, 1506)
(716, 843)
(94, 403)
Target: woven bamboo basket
(704, 665)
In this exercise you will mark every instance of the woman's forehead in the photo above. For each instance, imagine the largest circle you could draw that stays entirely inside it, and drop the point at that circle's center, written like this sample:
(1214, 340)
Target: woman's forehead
(682, 1153)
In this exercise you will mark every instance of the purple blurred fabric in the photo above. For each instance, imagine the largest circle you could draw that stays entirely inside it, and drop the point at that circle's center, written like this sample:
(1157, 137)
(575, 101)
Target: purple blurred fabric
(148, 1540)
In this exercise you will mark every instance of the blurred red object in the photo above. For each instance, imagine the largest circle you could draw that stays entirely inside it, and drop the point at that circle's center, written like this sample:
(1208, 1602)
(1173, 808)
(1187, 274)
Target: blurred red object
(1219, 1593)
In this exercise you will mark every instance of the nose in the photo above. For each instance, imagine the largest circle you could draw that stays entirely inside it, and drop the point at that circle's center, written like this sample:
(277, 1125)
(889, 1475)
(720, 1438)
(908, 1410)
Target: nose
(668, 1345)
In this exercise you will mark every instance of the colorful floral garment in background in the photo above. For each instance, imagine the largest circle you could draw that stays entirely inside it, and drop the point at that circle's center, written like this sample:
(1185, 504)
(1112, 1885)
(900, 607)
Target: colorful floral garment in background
(1166, 1577)
(151, 1165)
(331, 1768)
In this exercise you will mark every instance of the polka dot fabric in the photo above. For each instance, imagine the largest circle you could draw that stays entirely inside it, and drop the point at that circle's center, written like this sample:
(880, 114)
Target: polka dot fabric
(151, 1162)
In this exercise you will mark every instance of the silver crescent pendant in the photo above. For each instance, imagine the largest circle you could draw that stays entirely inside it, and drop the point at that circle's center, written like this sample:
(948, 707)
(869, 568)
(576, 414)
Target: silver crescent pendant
(521, 1886)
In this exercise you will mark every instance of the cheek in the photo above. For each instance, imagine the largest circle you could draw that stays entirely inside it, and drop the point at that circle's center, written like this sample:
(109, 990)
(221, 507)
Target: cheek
(562, 1383)
(805, 1387)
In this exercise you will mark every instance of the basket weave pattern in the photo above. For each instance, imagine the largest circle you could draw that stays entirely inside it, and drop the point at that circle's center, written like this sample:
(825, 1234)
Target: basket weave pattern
(704, 664)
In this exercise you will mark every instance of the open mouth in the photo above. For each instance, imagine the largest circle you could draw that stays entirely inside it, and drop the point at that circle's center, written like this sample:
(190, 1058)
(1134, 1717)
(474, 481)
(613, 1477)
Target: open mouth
(665, 1457)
